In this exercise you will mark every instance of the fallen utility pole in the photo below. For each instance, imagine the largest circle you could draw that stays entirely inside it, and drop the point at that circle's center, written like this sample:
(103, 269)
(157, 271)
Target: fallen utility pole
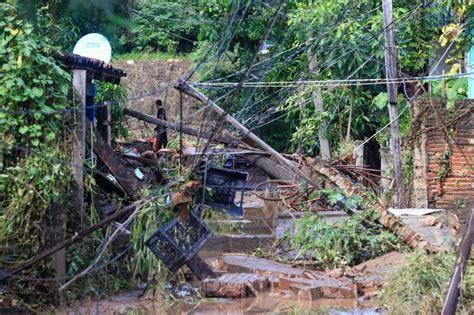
(190, 90)
(451, 301)
(390, 68)
(176, 127)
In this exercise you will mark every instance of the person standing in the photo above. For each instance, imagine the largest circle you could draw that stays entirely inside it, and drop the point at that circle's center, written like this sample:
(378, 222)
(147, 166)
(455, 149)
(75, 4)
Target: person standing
(161, 135)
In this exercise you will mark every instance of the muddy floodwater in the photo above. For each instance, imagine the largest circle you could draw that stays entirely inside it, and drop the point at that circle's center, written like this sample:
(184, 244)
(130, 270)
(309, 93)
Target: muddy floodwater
(266, 303)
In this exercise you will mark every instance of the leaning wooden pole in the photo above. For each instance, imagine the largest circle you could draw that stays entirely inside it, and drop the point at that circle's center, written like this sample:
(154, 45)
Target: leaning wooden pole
(190, 90)
(451, 300)
(173, 126)
(390, 69)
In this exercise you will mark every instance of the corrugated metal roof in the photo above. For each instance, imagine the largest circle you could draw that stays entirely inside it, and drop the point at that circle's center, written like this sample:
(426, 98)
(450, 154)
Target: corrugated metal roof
(96, 69)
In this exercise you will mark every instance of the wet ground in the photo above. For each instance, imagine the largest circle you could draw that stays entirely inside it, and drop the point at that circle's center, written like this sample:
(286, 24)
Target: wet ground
(264, 304)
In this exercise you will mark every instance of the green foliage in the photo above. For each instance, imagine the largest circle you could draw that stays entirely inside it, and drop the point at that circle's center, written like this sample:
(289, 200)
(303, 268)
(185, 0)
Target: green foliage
(349, 242)
(454, 89)
(150, 56)
(32, 86)
(116, 96)
(420, 284)
(163, 25)
(63, 22)
(143, 264)
(26, 192)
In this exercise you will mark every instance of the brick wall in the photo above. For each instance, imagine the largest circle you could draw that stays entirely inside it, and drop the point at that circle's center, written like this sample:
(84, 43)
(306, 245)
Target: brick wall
(456, 191)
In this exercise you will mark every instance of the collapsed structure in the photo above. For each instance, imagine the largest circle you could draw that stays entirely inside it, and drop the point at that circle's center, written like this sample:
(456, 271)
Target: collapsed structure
(178, 241)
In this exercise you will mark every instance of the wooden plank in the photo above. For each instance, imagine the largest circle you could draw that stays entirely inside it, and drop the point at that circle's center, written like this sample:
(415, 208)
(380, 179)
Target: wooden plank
(200, 268)
(114, 164)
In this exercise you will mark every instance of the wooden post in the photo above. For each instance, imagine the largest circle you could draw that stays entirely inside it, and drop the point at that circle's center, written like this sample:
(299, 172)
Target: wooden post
(56, 235)
(103, 116)
(79, 81)
(389, 53)
(185, 88)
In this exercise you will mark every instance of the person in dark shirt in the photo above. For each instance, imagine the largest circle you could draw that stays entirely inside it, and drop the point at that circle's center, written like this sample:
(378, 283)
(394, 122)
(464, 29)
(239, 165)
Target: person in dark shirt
(161, 136)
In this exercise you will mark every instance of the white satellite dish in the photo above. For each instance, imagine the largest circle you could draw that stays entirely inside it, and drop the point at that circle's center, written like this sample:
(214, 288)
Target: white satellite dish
(94, 46)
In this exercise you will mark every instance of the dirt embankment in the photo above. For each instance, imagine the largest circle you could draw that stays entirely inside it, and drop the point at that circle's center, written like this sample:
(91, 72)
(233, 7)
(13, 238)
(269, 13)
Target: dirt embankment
(148, 81)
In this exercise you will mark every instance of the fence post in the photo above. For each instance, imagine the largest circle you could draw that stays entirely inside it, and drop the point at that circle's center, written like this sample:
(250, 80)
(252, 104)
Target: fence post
(79, 81)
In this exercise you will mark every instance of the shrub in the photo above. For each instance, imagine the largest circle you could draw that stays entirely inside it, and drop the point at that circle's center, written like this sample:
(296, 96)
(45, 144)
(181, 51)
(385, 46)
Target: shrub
(349, 242)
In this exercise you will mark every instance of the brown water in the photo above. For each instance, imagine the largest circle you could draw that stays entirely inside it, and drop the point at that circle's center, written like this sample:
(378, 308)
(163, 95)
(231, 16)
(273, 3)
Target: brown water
(264, 304)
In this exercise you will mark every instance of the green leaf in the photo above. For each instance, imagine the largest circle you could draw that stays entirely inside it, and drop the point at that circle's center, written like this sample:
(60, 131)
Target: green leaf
(381, 100)
(36, 92)
(23, 130)
(50, 136)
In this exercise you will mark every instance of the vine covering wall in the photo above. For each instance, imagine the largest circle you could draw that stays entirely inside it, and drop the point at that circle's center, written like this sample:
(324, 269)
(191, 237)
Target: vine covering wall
(449, 148)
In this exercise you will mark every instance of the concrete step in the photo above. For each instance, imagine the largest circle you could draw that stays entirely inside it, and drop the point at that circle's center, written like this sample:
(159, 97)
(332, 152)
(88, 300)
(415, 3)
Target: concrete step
(249, 264)
(243, 243)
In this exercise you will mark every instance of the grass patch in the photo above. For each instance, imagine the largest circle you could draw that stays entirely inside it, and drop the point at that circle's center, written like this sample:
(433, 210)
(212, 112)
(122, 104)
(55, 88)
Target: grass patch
(420, 285)
(150, 56)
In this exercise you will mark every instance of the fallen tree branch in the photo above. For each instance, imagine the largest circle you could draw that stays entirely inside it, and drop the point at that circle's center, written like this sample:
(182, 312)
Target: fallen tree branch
(104, 248)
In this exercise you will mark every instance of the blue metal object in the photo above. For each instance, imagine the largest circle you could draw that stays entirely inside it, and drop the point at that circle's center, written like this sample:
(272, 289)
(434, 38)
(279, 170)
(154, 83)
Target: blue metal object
(90, 103)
